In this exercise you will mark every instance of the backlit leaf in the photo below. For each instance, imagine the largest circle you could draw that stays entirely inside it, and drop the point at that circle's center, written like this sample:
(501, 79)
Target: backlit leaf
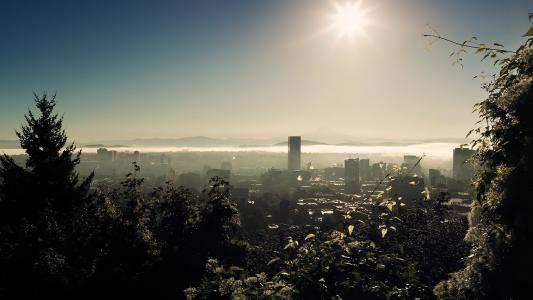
(529, 32)
(383, 232)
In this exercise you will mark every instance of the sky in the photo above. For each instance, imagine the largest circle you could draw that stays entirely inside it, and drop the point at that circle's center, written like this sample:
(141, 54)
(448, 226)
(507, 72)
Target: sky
(247, 68)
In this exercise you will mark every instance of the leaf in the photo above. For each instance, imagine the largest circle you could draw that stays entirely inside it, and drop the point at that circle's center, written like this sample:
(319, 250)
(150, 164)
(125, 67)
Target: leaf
(402, 204)
(392, 227)
(390, 205)
(383, 232)
(529, 32)
(498, 45)
(426, 193)
(272, 261)
(481, 48)
(412, 183)
(309, 236)
(350, 229)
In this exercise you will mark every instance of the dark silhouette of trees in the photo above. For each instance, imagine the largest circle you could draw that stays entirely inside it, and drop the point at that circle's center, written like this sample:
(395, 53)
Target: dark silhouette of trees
(57, 238)
(40, 205)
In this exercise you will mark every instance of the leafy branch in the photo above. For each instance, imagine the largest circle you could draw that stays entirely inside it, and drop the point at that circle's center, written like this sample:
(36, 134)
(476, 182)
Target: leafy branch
(472, 44)
(494, 51)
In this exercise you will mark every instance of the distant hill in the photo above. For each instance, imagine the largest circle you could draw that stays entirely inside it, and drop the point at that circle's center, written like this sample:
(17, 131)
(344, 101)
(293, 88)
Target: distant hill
(203, 141)
(304, 143)
(193, 141)
(376, 143)
(103, 146)
(403, 142)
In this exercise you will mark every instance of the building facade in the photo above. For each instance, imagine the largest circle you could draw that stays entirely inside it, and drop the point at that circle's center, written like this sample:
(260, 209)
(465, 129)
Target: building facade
(351, 176)
(295, 153)
(462, 170)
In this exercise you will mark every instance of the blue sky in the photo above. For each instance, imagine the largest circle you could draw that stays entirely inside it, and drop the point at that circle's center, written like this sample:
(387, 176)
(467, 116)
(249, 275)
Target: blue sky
(126, 69)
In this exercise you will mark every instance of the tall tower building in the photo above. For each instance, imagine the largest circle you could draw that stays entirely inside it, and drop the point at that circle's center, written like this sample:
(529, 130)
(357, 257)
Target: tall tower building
(351, 175)
(462, 170)
(409, 161)
(364, 169)
(295, 152)
(435, 178)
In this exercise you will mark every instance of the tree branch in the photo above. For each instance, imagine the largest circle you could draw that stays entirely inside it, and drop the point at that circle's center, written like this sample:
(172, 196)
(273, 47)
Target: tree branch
(464, 44)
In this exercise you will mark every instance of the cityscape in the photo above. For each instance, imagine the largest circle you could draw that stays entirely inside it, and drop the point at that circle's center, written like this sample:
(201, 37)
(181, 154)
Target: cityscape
(252, 149)
(320, 190)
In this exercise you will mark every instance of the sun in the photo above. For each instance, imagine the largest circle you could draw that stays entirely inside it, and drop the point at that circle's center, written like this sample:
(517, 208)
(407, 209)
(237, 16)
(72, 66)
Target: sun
(348, 20)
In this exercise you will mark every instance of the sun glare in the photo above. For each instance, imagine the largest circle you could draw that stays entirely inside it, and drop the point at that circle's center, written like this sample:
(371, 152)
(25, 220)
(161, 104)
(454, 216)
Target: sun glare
(348, 19)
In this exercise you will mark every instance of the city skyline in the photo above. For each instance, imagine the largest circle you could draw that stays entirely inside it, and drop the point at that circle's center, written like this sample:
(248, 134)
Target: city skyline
(206, 69)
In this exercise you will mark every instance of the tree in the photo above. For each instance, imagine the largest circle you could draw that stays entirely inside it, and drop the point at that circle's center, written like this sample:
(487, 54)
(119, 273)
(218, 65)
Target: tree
(218, 224)
(40, 205)
(501, 229)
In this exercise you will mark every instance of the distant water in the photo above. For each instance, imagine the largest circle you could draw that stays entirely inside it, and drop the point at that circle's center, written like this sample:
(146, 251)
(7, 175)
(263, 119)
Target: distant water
(437, 150)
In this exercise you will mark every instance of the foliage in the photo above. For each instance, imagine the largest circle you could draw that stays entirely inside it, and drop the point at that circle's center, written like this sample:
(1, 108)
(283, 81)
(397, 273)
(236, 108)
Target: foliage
(422, 246)
(57, 238)
(40, 205)
(500, 232)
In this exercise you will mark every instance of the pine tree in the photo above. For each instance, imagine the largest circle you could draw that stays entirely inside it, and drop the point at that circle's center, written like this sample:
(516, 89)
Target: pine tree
(41, 206)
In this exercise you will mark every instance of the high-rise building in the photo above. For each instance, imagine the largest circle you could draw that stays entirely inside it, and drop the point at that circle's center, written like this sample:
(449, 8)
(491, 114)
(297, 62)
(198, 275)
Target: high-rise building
(351, 175)
(378, 170)
(295, 151)
(364, 169)
(435, 178)
(462, 170)
(104, 156)
(410, 162)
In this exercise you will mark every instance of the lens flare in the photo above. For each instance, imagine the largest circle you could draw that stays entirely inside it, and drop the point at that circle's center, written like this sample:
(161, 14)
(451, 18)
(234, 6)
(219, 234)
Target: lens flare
(348, 20)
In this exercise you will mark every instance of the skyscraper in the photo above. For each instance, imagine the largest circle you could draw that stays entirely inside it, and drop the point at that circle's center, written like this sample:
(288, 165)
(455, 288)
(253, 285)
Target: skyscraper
(351, 175)
(410, 162)
(364, 169)
(462, 170)
(435, 178)
(295, 150)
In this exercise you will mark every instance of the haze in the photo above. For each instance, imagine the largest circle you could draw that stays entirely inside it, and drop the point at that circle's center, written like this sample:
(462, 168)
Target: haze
(262, 69)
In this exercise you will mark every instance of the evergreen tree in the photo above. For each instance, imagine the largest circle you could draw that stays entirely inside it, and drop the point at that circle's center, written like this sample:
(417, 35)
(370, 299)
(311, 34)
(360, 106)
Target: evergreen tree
(41, 206)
